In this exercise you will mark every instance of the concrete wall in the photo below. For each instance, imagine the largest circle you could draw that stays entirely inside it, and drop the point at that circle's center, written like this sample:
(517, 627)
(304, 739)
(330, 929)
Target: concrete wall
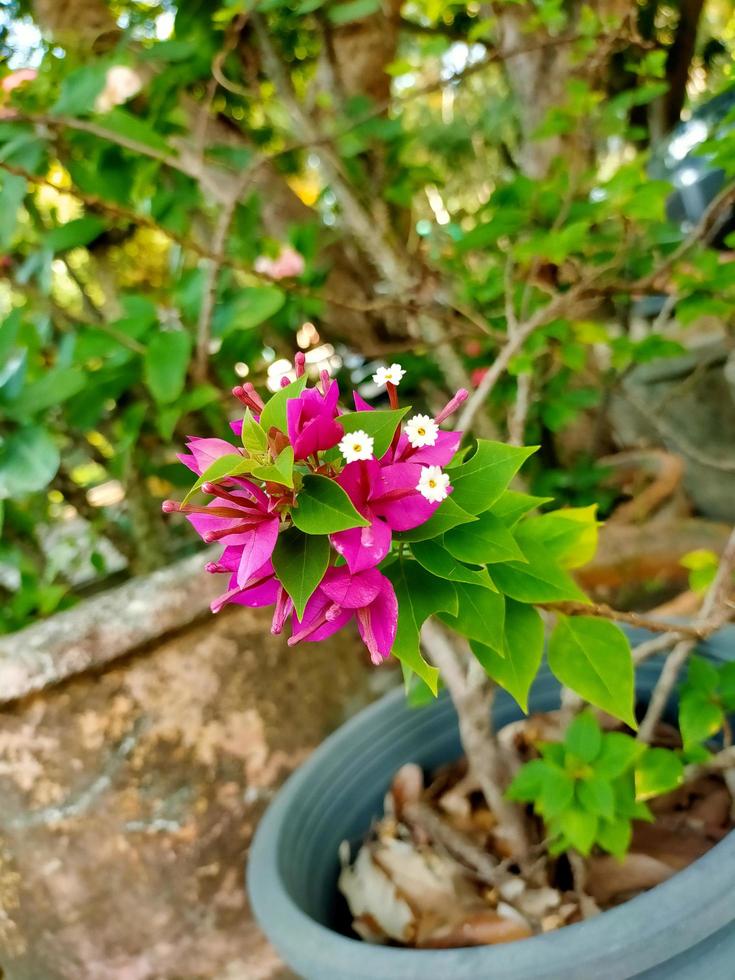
(134, 765)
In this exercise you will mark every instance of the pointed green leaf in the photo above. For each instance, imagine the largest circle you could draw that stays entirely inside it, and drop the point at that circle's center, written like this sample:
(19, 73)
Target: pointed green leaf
(165, 363)
(583, 738)
(420, 595)
(254, 438)
(596, 796)
(274, 412)
(29, 459)
(557, 793)
(512, 505)
(699, 717)
(486, 541)
(279, 471)
(322, 507)
(380, 424)
(480, 480)
(480, 615)
(249, 308)
(438, 561)
(73, 234)
(300, 561)
(580, 829)
(569, 535)
(657, 771)
(614, 836)
(540, 579)
(447, 515)
(593, 658)
(232, 464)
(524, 648)
(528, 782)
(617, 754)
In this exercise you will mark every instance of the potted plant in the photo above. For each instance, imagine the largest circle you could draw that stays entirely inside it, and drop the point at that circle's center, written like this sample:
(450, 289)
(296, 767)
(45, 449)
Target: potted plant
(382, 517)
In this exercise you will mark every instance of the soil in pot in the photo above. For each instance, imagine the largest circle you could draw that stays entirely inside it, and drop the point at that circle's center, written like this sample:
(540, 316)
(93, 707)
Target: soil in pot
(432, 873)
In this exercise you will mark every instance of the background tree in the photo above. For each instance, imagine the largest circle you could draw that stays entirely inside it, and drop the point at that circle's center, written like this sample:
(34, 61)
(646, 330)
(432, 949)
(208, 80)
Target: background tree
(462, 185)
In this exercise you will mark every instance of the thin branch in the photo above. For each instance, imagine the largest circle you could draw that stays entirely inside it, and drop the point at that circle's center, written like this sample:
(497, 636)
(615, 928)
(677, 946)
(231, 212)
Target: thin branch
(473, 703)
(720, 762)
(599, 610)
(209, 288)
(715, 610)
(705, 229)
(657, 644)
(513, 345)
(460, 845)
(519, 411)
(405, 302)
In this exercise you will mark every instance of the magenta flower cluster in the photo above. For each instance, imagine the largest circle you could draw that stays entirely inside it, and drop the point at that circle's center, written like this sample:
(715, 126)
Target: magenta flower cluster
(396, 492)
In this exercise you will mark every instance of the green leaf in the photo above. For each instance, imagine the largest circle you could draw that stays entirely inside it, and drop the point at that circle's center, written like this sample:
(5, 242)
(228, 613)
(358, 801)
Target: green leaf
(727, 686)
(512, 505)
(252, 306)
(165, 364)
(596, 796)
(380, 424)
(73, 234)
(485, 541)
(420, 595)
(569, 535)
(626, 804)
(580, 829)
(657, 771)
(447, 515)
(583, 738)
(274, 413)
(279, 471)
(702, 676)
(528, 782)
(593, 658)
(480, 480)
(254, 439)
(344, 13)
(614, 836)
(29, 459)
(12, 194)
(438, 561)
(322, 507)
(617, 754)
(300, 561)
(524, 648)
(232, 464)
(79, 90)
(557, 793)
(540, 579)
(54, 388)
(124, 123)
(699, 717)
(480, 615)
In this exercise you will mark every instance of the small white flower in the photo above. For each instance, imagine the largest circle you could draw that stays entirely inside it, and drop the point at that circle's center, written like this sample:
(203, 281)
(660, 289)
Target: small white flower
(422, 430)
(356, 445)
(434, 485)
(389, 375)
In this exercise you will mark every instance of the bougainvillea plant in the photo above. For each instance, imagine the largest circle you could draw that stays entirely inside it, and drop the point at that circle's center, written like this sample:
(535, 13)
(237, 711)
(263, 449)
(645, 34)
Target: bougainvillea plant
(379, 515)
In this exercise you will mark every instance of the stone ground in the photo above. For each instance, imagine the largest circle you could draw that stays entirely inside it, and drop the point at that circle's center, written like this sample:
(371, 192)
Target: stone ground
(130, 795)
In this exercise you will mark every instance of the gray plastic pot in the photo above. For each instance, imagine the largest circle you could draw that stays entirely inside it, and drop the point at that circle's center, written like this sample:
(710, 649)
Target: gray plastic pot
(682, 930)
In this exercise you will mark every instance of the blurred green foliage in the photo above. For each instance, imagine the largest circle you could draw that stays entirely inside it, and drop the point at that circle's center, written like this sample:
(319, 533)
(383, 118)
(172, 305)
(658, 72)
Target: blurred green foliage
(155, 163)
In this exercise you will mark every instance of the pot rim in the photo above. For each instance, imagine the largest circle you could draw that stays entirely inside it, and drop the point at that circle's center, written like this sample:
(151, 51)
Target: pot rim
(646, 930)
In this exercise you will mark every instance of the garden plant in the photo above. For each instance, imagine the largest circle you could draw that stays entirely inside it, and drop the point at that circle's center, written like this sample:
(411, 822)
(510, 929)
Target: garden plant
(380, 516)
(467, 205)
